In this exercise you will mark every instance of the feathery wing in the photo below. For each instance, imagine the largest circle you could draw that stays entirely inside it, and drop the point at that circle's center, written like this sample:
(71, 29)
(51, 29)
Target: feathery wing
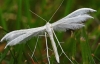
(13, 35)
(73, 20)
(19, 36)
(80, 11)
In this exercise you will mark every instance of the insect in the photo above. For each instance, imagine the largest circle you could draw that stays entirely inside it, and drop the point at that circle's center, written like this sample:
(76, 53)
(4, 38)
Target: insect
(72, 21)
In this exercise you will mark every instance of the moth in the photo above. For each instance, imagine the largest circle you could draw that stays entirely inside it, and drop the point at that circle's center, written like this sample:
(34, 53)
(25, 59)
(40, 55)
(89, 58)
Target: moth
(72, 21)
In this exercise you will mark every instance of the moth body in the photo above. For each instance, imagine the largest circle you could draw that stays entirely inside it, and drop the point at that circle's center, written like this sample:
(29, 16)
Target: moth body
(50, 33)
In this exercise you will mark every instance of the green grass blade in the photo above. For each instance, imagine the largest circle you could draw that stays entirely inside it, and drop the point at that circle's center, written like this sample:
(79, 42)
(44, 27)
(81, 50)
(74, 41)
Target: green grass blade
(86, 52)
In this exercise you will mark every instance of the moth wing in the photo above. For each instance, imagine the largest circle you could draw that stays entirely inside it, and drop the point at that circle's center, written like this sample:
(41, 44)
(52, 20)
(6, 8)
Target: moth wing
(12, 35)
(71, 23)
(26, 36)
(81, 11)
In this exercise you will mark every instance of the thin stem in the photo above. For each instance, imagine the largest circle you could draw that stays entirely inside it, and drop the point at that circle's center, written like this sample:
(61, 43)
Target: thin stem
(13, 56)
(47, 48)
(61, 47)
(56, 11)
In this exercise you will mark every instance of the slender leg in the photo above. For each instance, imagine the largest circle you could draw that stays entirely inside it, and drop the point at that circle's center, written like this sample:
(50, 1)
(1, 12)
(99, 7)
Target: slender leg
(31, 52)
(61, 47)
(35, 46)
(47, 48)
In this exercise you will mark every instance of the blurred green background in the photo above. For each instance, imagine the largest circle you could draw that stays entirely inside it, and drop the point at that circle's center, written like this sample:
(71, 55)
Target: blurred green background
(82, 46)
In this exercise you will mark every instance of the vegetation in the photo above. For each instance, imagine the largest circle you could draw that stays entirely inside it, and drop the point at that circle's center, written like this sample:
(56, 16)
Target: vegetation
(82, 46)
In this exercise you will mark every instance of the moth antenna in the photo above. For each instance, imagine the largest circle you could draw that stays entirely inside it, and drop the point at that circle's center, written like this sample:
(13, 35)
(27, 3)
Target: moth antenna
(38, 15)
(56, 11)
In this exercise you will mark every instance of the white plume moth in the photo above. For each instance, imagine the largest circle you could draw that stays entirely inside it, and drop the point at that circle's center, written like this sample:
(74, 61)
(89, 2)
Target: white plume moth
(72, 21)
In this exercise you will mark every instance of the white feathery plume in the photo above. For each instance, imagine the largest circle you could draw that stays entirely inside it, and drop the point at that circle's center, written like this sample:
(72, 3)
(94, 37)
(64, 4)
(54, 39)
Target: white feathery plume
(80, 11)
(22, 35)
(72, 21)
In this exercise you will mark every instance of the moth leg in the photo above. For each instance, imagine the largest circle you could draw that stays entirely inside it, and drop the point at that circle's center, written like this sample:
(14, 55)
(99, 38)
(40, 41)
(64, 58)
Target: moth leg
(35, 46)
(46, 37)
(61, 47)
(61, 43)
(47, 48)
(57, 47)
(50, 49)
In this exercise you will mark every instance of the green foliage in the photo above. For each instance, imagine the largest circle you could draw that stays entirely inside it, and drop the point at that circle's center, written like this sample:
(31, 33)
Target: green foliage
(82, 46)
